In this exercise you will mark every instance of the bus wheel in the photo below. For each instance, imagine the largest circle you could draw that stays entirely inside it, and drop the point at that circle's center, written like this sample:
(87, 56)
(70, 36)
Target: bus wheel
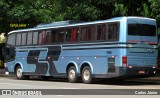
(19, 74)
(72, 74)
(86, 75)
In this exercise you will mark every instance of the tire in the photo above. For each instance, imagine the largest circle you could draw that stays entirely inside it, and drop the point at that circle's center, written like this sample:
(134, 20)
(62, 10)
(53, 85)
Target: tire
(87, 75)
(72, 75)
(19, 74)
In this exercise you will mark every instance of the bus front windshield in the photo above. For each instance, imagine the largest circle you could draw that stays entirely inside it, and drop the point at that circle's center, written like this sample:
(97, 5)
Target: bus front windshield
(141, 29)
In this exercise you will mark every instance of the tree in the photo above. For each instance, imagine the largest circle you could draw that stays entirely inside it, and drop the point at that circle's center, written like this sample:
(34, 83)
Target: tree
(2, 38)
(30, 12)
(155, 7)
(33, 12)
(120, 10)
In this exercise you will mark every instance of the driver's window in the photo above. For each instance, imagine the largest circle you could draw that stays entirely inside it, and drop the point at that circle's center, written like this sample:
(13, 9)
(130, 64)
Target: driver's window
(9, 53)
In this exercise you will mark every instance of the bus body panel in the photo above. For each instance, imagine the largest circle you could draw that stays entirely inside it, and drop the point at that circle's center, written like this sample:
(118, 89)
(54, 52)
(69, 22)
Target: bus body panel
(80, 57)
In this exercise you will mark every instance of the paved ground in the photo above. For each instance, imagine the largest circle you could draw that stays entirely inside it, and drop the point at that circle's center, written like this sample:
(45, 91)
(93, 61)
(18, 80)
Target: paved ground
(10, 82)
(79, 89)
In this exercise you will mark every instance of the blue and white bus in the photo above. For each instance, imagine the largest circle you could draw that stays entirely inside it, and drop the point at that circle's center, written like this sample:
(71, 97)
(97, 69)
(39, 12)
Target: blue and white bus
(115, 48)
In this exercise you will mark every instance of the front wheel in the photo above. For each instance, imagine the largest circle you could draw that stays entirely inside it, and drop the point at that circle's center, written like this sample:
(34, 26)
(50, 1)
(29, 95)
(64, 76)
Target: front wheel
(87, 75)
(20, 75)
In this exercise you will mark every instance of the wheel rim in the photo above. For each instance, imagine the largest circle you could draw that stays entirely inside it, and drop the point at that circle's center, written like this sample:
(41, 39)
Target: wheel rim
(72, 74)
(19, 72)
(86, 75)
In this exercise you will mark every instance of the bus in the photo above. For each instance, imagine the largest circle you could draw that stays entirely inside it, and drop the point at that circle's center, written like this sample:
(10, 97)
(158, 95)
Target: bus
(120, 47)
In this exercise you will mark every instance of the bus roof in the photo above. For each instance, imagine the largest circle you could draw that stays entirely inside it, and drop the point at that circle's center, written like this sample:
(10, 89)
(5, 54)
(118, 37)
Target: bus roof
(75, 23)
(60, 23)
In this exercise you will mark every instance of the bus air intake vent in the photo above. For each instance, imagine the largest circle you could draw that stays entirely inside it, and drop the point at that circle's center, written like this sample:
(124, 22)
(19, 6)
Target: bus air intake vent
(111, 65)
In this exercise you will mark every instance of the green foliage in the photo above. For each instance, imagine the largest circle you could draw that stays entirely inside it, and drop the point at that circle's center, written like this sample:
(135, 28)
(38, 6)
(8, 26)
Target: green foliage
(120, 10)
(33, 12)
(145, 11)
(155, 6)
(2, 38)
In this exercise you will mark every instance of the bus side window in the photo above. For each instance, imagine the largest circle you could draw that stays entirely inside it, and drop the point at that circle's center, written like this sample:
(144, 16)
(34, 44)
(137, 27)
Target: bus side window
(83, 34)
(107, 33)
(60, 34)
(88, 33)
(116, 31)
(104, 33)
(93, 33)
(113, 31)
(11, 39)
(24, 38)
(29, 38)
(18, 39)
(42, 37)
(53, 36)
(35, 38)
(101, 32)
(68, 35)
(71, 35)
(48, 37)
(74, 34)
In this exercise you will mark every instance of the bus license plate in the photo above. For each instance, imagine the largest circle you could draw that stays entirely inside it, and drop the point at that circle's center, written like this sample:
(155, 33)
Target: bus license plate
(141, 72)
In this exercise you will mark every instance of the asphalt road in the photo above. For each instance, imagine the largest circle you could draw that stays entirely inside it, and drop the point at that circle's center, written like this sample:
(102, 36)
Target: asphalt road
(60, 88)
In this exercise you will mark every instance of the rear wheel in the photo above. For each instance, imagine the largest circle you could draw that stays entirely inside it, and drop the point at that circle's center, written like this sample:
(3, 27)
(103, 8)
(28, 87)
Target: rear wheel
(87, 75)
(72, 74)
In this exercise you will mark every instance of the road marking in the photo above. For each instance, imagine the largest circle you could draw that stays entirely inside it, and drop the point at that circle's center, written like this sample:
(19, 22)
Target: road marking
(23, 85)
(69, 88)
(60, 95)
(15, 84)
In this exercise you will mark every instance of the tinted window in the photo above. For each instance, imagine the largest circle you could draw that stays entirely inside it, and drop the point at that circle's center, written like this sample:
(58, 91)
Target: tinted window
(101, 32)
(88, 33)
(108, 31)
(54, 36)
(35, 37)
(141, 29)
(11, 39)
(83, 34)
(23, 39)
(29, 38)
(112, 31)
(60, 35)
(48, 37)
(71, 35)
(42, 37)
(18, 39)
